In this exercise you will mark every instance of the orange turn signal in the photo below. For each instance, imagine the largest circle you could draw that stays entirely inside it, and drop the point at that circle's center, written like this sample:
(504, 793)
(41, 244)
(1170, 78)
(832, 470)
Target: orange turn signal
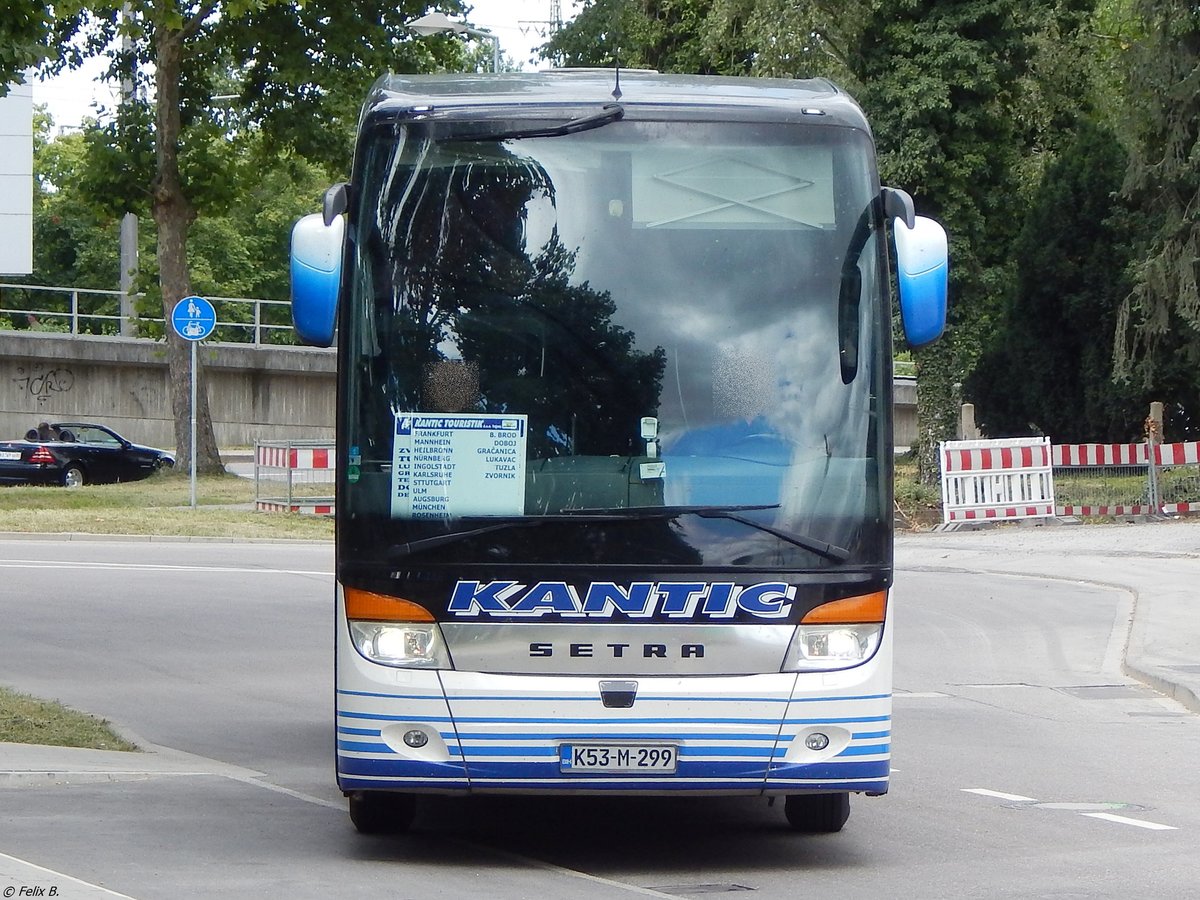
(382, 608)
(849, 611)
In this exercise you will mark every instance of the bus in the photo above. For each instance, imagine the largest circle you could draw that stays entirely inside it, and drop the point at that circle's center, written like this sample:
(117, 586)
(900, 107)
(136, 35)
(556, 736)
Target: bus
(614, 438)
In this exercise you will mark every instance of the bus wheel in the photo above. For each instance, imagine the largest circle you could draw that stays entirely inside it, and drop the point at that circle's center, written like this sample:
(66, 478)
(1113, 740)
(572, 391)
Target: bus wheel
(817, 813)
(377, 812)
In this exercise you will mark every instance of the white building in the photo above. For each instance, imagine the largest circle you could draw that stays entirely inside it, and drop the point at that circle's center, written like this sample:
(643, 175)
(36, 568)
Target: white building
(16, 181)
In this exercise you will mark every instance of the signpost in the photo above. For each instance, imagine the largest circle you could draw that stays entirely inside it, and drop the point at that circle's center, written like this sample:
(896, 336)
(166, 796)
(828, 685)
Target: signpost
(193, 319)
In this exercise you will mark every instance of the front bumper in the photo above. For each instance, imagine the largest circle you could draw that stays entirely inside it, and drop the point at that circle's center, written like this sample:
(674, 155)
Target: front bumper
(502, 733)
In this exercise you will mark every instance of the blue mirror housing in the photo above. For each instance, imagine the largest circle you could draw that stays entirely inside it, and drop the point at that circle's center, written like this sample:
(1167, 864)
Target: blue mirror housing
(922, 265)
(316, 269)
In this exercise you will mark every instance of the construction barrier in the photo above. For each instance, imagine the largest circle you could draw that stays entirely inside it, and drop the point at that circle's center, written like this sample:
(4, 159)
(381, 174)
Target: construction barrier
(1012, 479)
(312, 509)
(1103, 480)
(1176, 478)
(997, 480)
(294, 476)
(1157, 479)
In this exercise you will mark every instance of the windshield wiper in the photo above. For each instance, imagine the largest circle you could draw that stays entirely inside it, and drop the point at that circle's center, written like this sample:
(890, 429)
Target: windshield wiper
(453, 537)
(824, 549)
(821, 548)
(610, 112)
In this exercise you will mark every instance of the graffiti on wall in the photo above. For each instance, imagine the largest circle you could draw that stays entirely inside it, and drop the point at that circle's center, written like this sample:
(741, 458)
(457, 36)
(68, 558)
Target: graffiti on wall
(42, 384)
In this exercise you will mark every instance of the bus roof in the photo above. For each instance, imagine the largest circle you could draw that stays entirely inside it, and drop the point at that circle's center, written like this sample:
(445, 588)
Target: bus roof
(772, 98)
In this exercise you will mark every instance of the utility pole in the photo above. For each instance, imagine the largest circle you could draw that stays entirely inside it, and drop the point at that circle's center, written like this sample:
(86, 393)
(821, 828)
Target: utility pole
(129, 222)
(547, 28)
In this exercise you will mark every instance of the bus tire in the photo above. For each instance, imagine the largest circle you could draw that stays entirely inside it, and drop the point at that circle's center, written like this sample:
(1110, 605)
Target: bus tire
(817, 813)
(379, 812)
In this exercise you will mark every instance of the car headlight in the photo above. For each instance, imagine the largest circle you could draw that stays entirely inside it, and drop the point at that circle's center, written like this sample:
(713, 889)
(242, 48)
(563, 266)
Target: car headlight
(408, 645)
(837, 635)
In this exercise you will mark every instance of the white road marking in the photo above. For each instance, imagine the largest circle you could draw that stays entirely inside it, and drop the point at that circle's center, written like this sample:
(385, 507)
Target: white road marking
(57, 875)
(984, 792)
(1139, 823)
(147, 567)
(562, 870)
(279, 789)
(1108, 817)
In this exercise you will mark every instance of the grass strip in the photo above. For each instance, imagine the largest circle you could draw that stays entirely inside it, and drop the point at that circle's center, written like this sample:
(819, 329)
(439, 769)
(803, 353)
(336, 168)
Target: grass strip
(28, 720)
(160, 505)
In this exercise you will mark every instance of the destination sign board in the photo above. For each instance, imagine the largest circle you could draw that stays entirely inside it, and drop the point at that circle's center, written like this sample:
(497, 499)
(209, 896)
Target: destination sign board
(458, 464)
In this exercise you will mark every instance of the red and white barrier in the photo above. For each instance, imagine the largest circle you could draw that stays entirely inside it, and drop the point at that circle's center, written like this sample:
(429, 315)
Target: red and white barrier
(312, 509)
(294, 476)
(287, 457)
(997, 480)
(1184, 454)
(1137, 509)
(1078, 456)
(1113, 455)
(1014, 479)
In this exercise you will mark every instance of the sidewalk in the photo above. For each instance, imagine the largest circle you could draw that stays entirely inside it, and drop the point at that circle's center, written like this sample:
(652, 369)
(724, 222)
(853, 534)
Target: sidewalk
(1158, 563)
(33, 764)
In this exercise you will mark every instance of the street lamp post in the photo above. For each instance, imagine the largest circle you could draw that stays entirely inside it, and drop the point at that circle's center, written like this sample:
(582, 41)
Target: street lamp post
(440, 23)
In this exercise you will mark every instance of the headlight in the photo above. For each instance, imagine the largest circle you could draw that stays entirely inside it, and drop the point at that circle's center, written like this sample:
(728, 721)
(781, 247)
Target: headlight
(823, 647)
(416, 645)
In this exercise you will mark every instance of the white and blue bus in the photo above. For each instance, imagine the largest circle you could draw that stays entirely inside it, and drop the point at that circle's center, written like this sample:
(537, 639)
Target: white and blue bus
(614, 438)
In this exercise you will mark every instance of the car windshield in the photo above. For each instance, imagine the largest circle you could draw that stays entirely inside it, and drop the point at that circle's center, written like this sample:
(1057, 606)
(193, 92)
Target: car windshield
(638, 315)
(88, 434)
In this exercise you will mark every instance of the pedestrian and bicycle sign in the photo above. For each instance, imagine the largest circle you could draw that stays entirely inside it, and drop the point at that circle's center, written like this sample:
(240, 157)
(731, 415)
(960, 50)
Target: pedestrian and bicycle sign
(193, 318)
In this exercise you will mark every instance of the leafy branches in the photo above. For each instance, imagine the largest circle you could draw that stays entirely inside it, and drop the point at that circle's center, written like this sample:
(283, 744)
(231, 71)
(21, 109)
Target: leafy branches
(1163, 182)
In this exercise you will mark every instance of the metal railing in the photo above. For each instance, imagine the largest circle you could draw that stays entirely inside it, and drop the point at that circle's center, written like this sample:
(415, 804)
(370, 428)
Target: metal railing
(69, 310)
(1103, 490)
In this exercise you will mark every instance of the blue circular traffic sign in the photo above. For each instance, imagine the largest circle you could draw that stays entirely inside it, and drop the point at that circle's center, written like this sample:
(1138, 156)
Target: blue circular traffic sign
(193, 318)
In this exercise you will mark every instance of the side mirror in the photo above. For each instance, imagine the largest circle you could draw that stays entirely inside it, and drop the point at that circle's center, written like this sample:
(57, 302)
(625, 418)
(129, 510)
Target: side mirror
(922, 265)
(316, 269)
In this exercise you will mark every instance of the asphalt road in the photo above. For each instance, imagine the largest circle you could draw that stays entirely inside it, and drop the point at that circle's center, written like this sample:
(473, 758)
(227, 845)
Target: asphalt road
(1026, 765)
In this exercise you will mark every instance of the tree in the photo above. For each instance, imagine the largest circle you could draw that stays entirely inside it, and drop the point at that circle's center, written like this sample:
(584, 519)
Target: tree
(667, 35)
(74, 238)
(943, 82)
(774, 38)
(239, 249)
(1050, 371)
(298, 71)
(1163, 182)
(949, 88)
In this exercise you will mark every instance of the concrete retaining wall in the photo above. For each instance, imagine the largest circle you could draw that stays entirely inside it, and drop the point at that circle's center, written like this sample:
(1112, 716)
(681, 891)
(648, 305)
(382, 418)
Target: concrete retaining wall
(904, 410)
(255, 393)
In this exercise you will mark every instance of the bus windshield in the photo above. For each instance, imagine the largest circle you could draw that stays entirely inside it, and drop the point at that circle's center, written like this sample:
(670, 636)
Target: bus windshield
(642, 343)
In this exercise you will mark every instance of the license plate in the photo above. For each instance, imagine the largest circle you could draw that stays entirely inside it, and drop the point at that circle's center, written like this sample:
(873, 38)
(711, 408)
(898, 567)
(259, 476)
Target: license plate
(657, 758)
(10, 454)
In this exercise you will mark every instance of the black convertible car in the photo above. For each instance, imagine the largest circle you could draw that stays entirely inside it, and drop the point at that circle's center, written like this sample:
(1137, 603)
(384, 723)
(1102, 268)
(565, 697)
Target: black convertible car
(75, 453)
